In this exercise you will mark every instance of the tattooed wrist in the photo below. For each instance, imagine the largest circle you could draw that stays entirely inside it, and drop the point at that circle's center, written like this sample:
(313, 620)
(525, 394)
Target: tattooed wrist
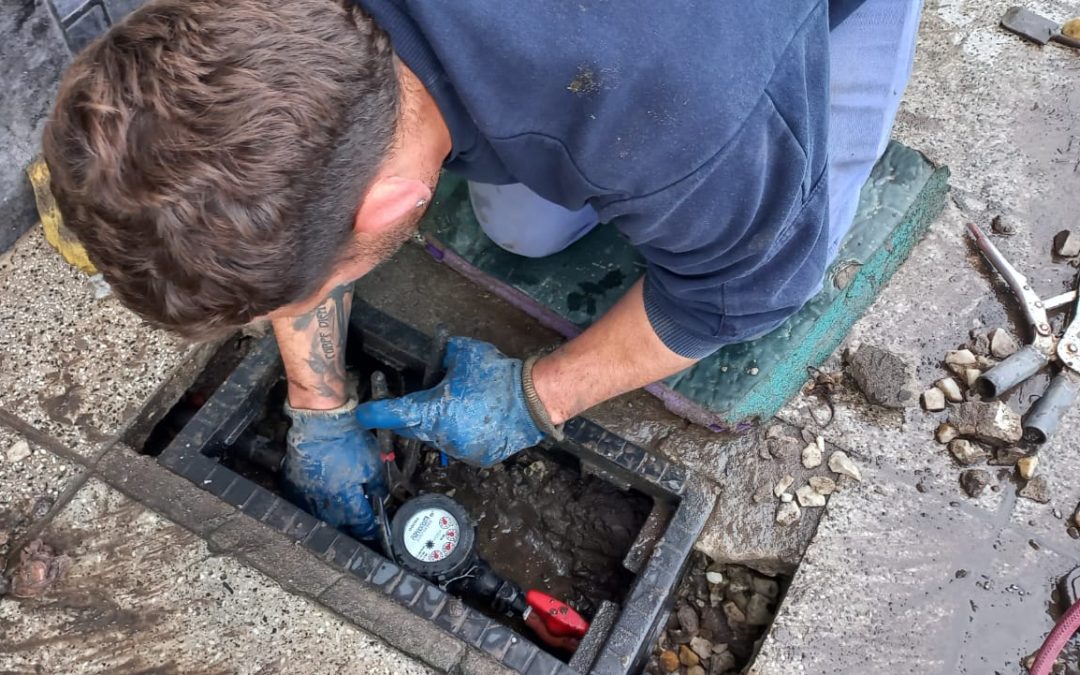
(316, 349)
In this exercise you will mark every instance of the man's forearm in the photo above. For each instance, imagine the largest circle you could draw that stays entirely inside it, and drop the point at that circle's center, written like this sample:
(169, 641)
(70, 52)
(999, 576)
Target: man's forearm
(617, 354)
(313, 350)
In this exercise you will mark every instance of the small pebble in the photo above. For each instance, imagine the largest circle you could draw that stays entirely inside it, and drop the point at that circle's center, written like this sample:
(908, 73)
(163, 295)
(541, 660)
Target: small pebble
(945, 433)
(669, 661)
(1002, 226)
(714, 578)
(962, 358)
(734, 614)
(757, 611)
(18, 451)
(1026, 466)
(974, 481)
(1067, 244)
(753, 371)
(1074, 532)
(1002, 344)
(701, 647)
(783, 484)
(811, 456)
(971, 376)
(786, 497)
(840, 463)
(823, 484)
(966, 452)
(1037, 490)
(766, 586)
(723, 662)
(695, 670)
(951, 389)
(809, 497)
(787, 514)
(687, 657)
(688, 619)
(933, 400)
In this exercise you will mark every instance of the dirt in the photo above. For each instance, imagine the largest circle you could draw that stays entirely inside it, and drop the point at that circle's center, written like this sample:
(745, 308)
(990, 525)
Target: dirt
(545, 526)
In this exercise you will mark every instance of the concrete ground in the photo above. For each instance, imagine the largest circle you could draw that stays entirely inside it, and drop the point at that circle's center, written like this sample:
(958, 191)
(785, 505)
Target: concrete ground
(904, 573)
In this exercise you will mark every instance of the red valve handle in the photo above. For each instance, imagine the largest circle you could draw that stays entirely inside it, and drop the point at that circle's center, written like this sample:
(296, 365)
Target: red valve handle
(559, 619)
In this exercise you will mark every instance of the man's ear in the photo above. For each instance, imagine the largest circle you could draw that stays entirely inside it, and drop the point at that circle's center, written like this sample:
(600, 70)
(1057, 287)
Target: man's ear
(389, 201)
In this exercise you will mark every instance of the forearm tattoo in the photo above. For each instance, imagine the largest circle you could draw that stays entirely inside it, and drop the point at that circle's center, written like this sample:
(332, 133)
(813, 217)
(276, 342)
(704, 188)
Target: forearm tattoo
(327, 327)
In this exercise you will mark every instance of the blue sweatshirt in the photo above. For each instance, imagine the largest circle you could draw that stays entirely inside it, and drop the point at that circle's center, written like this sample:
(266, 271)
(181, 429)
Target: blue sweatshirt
(697, 127)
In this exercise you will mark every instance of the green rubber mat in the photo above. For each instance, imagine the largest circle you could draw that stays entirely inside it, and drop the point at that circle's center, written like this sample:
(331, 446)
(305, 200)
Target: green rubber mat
(740, 383)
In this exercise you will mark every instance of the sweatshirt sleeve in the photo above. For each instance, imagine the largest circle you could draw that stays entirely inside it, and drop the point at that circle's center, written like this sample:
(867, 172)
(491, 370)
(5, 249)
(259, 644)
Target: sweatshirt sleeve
(739, 244)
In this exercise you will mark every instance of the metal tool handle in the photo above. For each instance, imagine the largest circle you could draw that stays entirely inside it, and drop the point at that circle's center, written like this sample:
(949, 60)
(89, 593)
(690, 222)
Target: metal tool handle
(1066, 40)
(1012, 371)
(1045, 416)
(1033, 308)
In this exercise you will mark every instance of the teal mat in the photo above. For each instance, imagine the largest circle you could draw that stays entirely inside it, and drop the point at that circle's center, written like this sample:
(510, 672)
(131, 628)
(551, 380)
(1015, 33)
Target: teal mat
(740, 383)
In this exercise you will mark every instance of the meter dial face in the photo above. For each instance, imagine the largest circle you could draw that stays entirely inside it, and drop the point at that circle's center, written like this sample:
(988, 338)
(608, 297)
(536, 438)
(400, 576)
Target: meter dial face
(431, 535)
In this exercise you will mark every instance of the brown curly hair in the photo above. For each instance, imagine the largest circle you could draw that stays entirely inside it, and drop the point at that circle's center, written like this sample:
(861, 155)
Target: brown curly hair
(211, 154)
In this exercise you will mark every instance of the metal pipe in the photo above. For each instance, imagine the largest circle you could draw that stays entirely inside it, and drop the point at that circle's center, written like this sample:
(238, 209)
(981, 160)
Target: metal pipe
(1045, 416)
(1012, 371)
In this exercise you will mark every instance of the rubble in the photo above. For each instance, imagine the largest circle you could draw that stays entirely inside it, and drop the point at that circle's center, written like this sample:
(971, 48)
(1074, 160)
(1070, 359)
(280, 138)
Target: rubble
(809, 497)
(783, 447)
(1037, 490)
(961, 358)
(1067, 244)
(687, 657)
(884, 377)
(669, 661)
(966, 452)
(945, 433)
(1002, 343)
(765, 586)
(951, 389)
(701, 647)
(688, 619)
(786, 497)
(714, 578)
(992, 422)
(1025, 466)
(980, 344)
(971, 375)
(1002, 226)
(19, 451)
(933, 400)
(782, 485)
(788, 513)
(823, 484)
(811, 456)
(1006, 456)
(974, 481)
(840, 463)
(757, 611)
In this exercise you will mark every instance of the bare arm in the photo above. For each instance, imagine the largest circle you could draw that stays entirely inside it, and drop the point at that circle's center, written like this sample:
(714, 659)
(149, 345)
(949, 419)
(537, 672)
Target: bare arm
(313, 350)
(617, 354)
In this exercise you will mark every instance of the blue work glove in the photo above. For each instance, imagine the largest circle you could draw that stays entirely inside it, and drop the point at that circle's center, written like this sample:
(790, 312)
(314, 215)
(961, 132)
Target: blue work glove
(333, 466)
(477, 414)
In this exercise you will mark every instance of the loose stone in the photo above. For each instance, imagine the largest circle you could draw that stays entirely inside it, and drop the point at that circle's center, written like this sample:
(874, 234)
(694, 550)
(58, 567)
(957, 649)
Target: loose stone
(966, 452)
(669, 661)
(933, 400)
(734, 614)
(18, 451)
(945, 433)
(783, 484)
(687, 657)
(992, 422)
(823, 484)
(722, 663)
(884, 377)
(784, 447)
(786, 497)
(809, 497)
(971, 376)
(1002, 343)
(840, 463)
(701, 647)
(1026, 466)
(980, 344)
(974, 481)
(961, 358)
(1037, 490)
(950, 388)
(695, 670)
(1006, 456)
(1067, 244)
(788, 513)
(688, 619)
(714, 578)
(757, 611)
(811, 456)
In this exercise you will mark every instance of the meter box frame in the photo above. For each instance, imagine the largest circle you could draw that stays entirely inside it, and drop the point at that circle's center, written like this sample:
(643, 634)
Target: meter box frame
(620, 637)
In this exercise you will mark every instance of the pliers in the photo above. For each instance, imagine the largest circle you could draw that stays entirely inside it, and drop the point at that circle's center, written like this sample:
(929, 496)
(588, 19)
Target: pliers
(1045, 415)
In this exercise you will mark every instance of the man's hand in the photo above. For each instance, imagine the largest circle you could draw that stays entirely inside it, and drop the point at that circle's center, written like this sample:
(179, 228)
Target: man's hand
(477, 414)
(333, 467)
